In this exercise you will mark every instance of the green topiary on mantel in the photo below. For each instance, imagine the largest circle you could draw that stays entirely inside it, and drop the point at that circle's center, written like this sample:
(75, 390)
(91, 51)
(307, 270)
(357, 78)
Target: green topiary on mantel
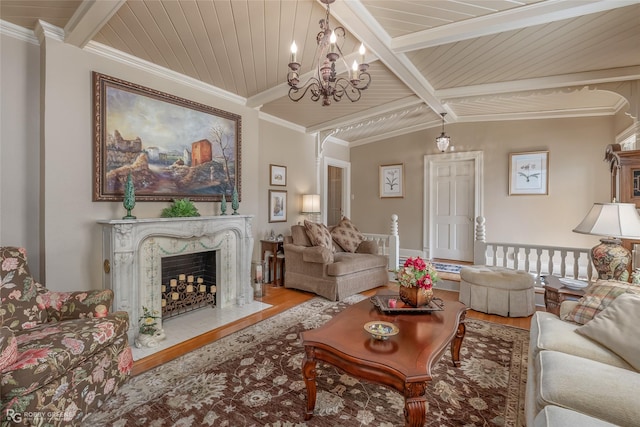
(180, 208)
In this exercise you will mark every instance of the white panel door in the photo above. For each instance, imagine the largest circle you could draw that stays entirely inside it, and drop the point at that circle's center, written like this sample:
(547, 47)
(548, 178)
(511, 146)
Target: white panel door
(454, 210)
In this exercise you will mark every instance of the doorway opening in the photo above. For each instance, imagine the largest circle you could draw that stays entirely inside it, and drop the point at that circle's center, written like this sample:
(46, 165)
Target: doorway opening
(337, 188)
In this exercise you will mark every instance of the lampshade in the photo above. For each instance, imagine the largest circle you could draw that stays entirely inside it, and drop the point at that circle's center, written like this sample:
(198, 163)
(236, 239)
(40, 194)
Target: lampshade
(310, 203)
(619, 220)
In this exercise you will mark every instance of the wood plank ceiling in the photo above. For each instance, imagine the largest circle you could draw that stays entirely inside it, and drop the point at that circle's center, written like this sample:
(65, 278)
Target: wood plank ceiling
(474, 59)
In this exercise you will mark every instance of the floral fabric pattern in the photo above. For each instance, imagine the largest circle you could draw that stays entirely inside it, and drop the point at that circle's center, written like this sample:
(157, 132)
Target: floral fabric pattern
(18, 291)
(69, 352)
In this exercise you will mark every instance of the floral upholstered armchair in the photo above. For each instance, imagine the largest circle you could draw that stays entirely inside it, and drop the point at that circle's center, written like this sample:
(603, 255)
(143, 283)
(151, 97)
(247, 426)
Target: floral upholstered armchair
(61, 353)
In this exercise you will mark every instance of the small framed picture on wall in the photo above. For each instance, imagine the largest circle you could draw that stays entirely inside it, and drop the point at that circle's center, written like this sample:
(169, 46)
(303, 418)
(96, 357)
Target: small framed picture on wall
(391, 180)
(278, 175)
(277, 206)
(529, 173)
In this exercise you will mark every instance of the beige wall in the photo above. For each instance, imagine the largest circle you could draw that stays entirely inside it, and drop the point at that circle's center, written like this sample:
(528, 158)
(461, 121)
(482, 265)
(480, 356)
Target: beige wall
(578, 178)
(19, 146)
(69, 235)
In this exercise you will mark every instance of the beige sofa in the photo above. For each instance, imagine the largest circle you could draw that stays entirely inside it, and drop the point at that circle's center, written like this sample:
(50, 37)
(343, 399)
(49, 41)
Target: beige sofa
(573, 379)
(333, 275)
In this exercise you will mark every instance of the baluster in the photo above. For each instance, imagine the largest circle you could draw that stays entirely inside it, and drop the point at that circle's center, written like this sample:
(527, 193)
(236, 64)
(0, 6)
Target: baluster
(551, 255)
(539, 260)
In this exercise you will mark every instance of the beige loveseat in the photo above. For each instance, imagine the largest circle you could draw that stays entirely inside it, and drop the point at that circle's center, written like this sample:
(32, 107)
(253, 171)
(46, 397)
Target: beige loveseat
(333, 275)
(583, 371)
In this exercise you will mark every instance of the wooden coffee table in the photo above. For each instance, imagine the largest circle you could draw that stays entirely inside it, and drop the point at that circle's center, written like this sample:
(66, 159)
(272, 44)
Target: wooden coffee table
(403, 362)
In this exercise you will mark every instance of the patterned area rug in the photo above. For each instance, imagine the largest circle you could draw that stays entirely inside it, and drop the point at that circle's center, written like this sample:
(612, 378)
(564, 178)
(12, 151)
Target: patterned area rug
(446, 267)
(253, 378)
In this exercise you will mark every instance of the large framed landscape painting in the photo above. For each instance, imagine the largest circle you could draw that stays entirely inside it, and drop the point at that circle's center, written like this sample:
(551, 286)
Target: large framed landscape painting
(173, 147)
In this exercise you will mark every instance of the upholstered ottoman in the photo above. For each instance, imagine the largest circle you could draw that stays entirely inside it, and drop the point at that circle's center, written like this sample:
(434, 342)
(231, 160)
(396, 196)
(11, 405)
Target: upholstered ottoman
(497, 290)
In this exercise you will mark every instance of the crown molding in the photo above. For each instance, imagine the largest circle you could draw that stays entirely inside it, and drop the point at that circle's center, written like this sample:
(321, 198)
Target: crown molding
(132, 61)
(17, 32)
(281, 122)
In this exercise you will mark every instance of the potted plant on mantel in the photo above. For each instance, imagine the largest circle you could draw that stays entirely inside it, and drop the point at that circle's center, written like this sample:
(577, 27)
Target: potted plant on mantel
(416, 278)
(180, 208)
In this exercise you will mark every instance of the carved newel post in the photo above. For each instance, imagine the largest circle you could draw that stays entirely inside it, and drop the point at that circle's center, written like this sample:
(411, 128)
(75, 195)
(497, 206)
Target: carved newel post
(129, 197)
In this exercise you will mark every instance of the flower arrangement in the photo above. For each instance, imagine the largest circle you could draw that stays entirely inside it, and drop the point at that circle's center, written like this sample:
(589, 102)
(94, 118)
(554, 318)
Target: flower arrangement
(148, 324)
(416, 273)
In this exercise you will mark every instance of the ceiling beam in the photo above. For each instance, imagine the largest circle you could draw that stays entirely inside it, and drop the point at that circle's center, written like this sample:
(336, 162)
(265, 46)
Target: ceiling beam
(88, 19)
(357, 19)
(506, 20)
(541, 83)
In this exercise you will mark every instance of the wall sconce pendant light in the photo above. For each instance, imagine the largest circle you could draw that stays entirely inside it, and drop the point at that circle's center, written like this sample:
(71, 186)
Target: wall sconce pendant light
(326, 84)
(443, 140)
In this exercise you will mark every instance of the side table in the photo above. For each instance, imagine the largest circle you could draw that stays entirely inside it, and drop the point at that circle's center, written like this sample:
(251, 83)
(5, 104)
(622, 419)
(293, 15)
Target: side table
(555, 292)
(273, 246)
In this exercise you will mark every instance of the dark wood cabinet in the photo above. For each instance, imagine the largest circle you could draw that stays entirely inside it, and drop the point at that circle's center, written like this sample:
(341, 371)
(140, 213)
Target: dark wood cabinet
(625, 174)
(625, 183)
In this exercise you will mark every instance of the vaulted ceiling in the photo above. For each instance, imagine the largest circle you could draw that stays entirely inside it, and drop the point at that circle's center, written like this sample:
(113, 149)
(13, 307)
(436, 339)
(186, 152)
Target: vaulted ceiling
(476, 60)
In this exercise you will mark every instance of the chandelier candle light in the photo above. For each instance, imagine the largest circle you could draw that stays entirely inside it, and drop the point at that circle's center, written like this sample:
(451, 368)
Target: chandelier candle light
(326, 84)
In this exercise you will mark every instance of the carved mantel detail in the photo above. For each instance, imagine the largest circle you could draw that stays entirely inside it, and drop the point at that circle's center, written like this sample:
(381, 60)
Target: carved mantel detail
(135, 248)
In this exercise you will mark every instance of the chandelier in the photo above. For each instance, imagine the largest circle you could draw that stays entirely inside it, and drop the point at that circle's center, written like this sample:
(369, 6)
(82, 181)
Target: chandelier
(325, 83)
(443, 140)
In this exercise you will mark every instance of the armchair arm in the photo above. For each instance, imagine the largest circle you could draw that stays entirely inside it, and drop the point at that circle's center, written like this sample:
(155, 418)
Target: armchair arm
(74, 305)
(8, 348)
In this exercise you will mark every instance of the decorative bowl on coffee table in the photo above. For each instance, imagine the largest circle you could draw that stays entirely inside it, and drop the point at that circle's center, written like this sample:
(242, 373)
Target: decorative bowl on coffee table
(380, 330)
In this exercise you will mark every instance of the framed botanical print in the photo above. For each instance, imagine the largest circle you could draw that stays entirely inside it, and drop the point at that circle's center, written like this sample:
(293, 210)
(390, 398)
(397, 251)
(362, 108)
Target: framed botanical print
(529, 173)
(277, 206)
(391, 180)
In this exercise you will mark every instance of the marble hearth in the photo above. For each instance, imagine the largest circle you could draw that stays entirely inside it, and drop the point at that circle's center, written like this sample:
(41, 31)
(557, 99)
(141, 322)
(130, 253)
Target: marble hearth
(133, 252)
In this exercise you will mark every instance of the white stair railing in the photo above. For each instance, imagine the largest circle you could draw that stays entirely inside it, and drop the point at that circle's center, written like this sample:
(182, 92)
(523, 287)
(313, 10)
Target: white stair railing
(539, 260)
(388, 244)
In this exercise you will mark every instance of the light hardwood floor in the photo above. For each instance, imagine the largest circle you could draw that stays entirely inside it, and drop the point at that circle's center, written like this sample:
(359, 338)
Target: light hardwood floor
(280, 300)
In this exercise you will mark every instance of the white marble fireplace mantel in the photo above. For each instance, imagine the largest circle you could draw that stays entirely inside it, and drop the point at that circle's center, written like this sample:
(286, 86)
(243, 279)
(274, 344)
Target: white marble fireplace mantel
(133, 250)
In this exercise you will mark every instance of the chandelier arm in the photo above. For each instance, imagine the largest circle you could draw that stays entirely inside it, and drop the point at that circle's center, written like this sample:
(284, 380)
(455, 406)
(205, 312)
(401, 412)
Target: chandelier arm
(296, 93)
(345, 87)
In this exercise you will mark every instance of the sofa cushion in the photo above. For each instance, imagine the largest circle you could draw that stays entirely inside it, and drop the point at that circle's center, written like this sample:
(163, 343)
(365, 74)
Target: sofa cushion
(8, 348)
(346, 263)
(19, 291)
(317, 254)
(318, 234)
(347, 235)
(49, 351)
(299, 236)
(616, 327)
(597, 297)
(556, 416)
(548, 332)
(592, 388)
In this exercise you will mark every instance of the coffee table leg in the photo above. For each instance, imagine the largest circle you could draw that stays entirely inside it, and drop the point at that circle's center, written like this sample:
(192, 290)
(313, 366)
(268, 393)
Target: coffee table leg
(309, 375)
(415, 404)
(456, 343)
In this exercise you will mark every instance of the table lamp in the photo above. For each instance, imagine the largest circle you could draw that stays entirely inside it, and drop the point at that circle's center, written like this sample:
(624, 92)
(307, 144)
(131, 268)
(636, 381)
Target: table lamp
(615, 221)
(311, 205)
